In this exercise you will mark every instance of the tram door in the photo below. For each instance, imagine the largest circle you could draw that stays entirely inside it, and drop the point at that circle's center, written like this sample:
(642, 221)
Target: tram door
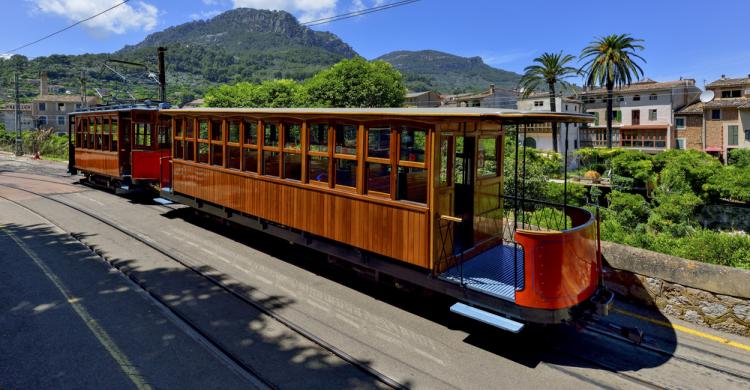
(463, 202)
(125, 143)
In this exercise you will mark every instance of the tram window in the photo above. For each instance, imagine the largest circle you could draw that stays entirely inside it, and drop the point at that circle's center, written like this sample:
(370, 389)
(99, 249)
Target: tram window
(92, 133)
(99, 129)
(142, 134)
(106, 139)
(115, 134)
(412, 184)
(271, 134)
(346, 139)
(379, 142)
(292, 166)
(292, 136)
(217, 154)
(190, 151)
(217, 131)
(346, 173)
(444, 158)
(203, 153)
(379, 178)
(233, 157)
(234, 132)
(250, 160)
(251, 132)
(319, 137)
(271, 163)
(178, 130)
(487, 158)
(203, 129)
(164, 134)
(319, 169)
(189, 128)
(179, 149)
(413, 142)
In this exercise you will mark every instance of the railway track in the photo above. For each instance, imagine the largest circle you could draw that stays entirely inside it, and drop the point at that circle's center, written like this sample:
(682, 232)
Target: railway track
(591, 327)
(380, 377)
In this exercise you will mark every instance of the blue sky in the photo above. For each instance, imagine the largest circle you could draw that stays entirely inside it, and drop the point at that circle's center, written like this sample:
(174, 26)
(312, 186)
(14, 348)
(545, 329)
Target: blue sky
(689, 38)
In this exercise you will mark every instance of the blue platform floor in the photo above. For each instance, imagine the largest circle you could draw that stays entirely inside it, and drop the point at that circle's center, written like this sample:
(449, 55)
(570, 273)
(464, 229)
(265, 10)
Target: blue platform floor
(491, 272)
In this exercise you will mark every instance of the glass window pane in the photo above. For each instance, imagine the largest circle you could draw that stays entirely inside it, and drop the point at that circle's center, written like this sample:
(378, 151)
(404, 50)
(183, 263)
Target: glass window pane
(379, 177)
(346, 139)
(379, 142)
(180, 127)
(319, 168)
(271, 163)
(292, 135)
(233, 157)
(487, 159)
(292, 166)
(412, 184)
(234, 132)
(179, 149)
(251, 160)
(189, 129)
(319, 137)
(203, 129)
(217, 131)
(413, 143)
(251, 132)
(217, 155)
(202, 153)
(190, 151)
(346, 172)
(271, 137)
(444, 160)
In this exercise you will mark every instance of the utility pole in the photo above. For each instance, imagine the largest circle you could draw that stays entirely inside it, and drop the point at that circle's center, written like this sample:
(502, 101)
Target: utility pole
(19, 140)
(83, 89)
(162, 75)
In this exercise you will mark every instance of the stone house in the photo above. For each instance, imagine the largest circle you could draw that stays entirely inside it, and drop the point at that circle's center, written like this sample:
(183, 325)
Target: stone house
(540, 136)
(422, 99)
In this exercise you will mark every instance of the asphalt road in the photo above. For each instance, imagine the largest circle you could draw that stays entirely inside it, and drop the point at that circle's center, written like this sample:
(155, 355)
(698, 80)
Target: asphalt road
(408, 335)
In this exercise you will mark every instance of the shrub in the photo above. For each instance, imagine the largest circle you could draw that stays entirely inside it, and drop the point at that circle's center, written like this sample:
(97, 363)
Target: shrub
(674, 213)
(633, 164)
(740, 158)
(627, 209)
(577, 194)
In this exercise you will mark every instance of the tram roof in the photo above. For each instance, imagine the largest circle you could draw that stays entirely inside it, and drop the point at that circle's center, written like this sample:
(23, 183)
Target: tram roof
(454, 112)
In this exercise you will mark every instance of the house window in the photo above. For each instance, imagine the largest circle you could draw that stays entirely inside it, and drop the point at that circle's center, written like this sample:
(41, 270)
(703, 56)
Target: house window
(652, 96)
(637, 98)
(538, 103)
(680, 143)
(61, 120)
(733, 137)
(617, 115)
(747, 134)
(735, 93)
(42, 106)
(652, 115)
(78, 106)
(42, 121)
(61, 107)
(716, 115)
(621, 98)
(679, 123)
(566, 107)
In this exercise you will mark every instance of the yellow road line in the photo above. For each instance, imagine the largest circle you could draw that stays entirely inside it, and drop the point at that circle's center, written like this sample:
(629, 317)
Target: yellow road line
(101, 335)
(684, 329)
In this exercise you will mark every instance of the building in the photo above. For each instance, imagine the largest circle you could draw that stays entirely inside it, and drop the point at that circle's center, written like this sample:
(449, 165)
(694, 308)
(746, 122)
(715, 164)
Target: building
(8, 114)
(491, 98)
(540, 136)
(643, 114)
(422, 99)
(51, 111)
(194, 103)
(721, 124)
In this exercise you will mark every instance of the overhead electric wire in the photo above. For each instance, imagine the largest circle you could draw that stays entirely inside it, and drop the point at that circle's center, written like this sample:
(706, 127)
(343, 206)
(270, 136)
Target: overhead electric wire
(354, 14)
(67, 28)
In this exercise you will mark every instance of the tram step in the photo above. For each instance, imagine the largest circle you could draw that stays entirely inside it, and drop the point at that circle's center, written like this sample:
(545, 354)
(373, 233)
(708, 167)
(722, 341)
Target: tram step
(487, 317)
(163, 201)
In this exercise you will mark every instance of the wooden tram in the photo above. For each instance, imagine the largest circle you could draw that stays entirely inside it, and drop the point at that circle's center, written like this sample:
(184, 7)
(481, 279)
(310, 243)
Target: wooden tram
(120, 147)
(412, 193)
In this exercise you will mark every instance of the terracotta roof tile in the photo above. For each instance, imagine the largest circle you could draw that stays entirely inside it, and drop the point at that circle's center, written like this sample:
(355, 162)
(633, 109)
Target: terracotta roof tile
(729, 82)
(647, 85)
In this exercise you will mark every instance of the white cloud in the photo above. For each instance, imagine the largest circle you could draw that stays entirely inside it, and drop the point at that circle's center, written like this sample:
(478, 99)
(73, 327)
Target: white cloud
(306, 10)
(134, 16)
(6, 56)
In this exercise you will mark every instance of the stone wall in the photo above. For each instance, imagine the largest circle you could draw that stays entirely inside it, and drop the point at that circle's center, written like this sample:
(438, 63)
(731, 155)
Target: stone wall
(726, 217)
(704, 294)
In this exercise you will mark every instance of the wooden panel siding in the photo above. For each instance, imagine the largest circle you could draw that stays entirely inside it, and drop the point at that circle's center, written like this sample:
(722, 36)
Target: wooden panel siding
(394, 229)
(98, 161)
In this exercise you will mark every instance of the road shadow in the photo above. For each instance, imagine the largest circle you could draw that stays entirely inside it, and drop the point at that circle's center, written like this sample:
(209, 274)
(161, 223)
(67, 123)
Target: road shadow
(269, 349)
(565, 345)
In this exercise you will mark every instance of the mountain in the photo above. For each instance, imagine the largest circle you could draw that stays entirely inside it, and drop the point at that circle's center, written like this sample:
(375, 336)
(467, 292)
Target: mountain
(448, 73)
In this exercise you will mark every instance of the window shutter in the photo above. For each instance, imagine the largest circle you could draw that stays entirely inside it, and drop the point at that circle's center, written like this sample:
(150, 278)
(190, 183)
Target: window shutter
(733, 135)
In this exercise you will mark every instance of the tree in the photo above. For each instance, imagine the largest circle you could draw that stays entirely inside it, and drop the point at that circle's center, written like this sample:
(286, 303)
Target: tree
(610, 62)
(270, 93)
(357, 83)
(551, 69)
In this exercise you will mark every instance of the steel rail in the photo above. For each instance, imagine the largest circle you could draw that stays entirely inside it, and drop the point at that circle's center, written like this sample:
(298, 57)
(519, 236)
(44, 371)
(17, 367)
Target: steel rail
(390, 382)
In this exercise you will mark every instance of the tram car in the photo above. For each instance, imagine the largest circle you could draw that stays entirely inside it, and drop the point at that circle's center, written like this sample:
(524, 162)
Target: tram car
(125, 148)
(416, 194)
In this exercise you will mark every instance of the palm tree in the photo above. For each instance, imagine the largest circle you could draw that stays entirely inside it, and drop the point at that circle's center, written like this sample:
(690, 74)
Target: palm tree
(550, 70)
(610, 62)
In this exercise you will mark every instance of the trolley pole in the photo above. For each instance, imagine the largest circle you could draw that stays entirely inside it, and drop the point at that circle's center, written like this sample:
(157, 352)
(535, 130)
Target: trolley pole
(19, 140)
(162, 74)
